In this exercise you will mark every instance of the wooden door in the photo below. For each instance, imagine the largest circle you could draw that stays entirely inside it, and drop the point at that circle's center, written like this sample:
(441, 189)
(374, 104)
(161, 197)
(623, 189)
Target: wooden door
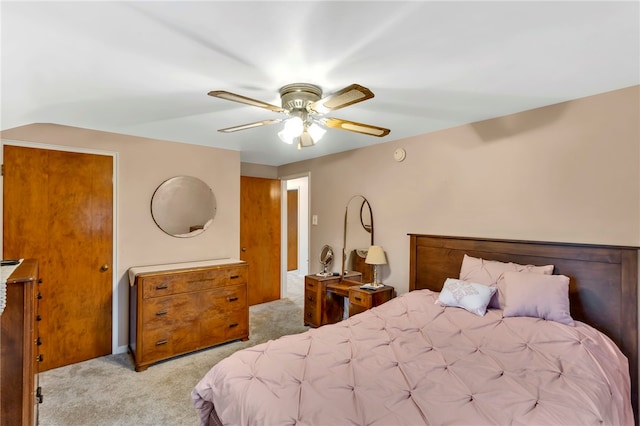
(292, 230)
(58, 209)
(260, 236)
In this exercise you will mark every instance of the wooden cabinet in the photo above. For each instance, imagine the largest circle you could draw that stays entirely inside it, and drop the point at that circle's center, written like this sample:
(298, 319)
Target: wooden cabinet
(19, 346)
(318, 310)
(176, 311)
(362, 299)
(321, 305)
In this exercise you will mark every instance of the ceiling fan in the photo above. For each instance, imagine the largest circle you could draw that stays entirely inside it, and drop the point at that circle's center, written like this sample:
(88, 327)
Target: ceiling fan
(305, 108)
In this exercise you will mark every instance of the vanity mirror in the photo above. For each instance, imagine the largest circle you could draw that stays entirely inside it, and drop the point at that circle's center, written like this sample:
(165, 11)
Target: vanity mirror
(326, 259)
(183, 206)
(357, 236)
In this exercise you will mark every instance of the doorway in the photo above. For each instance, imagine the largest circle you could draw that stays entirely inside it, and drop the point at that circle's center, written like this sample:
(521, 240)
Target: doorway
(292, 285)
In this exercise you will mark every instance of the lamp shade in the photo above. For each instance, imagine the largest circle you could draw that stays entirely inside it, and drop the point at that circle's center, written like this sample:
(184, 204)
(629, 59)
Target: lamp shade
(376, 256)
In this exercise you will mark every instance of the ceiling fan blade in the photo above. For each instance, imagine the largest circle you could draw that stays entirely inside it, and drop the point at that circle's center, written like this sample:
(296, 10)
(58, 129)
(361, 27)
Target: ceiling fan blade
(249, 125)
(352, 126)
(222, 94)
(342, 98)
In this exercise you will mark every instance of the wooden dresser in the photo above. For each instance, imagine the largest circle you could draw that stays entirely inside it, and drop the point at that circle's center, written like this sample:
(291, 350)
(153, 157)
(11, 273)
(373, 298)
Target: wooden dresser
(181, 308)
(19, 347)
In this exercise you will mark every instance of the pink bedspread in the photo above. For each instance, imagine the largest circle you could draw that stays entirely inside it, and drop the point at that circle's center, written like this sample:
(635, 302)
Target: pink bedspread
(411, 362)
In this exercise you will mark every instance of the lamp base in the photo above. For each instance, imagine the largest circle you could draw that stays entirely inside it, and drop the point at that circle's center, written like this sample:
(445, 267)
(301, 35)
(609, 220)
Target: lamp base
(372, 286)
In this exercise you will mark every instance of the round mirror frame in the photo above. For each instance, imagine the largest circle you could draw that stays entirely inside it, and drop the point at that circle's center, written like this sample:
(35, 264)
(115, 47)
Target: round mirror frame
(326, 259)
(183, 206)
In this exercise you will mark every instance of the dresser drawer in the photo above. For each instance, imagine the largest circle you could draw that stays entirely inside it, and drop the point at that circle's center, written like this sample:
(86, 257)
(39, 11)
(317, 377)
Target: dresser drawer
(169, 312)
(224, 300)
(311, 314)
(222, 328)
(183, 282)
(312, 285)
(312, 310)
(360, 298)
(163, 343)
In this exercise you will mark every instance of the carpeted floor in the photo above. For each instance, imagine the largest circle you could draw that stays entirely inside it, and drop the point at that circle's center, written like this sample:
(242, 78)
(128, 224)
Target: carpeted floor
(107, 391)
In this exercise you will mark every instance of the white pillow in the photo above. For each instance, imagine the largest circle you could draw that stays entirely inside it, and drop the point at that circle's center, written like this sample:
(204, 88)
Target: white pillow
(471, 296)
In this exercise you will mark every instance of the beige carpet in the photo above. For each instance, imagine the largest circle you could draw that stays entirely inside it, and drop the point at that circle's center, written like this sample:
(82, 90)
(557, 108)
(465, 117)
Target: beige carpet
(107, 390)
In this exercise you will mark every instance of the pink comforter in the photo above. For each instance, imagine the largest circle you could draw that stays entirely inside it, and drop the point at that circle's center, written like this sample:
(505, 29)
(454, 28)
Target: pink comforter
(411, 362)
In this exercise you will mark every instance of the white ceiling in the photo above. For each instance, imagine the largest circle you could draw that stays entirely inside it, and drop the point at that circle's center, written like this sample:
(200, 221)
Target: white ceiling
(144, 68)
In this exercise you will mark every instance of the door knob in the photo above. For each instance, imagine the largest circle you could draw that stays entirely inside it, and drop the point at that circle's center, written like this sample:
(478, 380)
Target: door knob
(104, 268)
(244, 249)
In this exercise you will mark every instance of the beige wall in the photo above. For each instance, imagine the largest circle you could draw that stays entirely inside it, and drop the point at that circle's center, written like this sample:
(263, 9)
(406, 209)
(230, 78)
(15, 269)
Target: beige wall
(568, 172)
(258, 170)
(142, 165)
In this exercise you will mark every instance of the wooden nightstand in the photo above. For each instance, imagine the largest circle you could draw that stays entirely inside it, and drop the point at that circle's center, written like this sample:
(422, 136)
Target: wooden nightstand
(361, 299)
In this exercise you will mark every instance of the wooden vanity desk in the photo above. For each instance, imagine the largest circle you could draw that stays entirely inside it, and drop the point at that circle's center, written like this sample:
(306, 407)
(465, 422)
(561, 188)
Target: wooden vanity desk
(324, 297)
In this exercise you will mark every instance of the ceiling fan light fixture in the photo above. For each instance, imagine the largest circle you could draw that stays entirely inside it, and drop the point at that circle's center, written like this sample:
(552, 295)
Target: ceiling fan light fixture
(316, 132)
(305, 140)
(293, 127)
(304, 105)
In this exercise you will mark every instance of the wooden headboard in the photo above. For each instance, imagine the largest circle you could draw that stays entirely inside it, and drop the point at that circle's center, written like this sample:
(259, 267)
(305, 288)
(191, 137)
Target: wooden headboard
(603, 289)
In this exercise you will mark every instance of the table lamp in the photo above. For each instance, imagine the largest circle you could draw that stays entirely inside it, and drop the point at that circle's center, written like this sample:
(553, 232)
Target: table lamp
(375, 257)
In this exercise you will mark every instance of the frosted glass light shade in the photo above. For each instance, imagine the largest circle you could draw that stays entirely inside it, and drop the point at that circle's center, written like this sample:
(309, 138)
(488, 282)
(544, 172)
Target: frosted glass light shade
(316, 132)
(293, 127)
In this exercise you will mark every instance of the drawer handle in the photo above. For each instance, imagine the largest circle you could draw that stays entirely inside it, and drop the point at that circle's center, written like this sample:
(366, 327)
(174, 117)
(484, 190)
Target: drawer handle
(162, 342)
(235, 324)
(39, 358)
(160, 313)
(234, 277)
(311, 285)
(358, 299)
(39, 394)
(199, 281)
(38, 318)
(38, 341)
(162, 287)
(310, 298)
(309, 314)
(232, 299)
(39, 296)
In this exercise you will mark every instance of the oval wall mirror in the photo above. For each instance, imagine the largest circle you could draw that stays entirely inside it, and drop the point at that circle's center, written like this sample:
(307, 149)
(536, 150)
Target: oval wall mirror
(357, 236)
(183, 206)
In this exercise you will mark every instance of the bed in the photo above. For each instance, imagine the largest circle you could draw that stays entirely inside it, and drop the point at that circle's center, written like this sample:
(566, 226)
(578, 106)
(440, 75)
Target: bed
(416, 360)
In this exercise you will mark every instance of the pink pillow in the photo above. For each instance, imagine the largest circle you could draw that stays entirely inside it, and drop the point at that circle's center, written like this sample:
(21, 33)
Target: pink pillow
(490, 272)
(538, 296)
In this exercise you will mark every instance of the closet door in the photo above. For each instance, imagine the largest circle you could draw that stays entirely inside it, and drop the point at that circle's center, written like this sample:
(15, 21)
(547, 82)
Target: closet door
(58, 209)
(260, 243)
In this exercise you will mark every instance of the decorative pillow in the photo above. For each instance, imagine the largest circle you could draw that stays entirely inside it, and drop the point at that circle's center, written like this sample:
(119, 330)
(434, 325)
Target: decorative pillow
(490, 272)
(473, 297)
(539, 296)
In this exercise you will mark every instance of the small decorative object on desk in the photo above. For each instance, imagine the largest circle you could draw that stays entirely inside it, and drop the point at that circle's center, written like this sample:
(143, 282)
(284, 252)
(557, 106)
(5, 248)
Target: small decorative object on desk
(371, 286)
(326, 259)
(8, 266)
(375, 257)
